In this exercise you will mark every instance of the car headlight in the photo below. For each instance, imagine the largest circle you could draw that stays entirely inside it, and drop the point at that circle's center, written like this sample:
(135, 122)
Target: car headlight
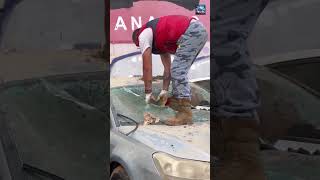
(173, 168)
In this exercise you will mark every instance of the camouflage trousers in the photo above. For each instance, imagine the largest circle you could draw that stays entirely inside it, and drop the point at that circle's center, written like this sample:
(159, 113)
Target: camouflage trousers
(190, 44)
(233, 79)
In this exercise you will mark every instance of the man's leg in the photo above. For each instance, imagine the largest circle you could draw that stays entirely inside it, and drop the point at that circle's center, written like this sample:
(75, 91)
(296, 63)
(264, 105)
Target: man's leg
(235, 89)
(190, 44)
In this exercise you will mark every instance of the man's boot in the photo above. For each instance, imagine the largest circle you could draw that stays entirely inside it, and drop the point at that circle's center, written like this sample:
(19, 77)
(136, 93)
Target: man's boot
(184, 113)
(239, 157)
(173, 103)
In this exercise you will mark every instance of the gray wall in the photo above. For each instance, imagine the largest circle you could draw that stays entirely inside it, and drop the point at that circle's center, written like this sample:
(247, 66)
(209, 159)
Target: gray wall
(2, 3)
(286, 26)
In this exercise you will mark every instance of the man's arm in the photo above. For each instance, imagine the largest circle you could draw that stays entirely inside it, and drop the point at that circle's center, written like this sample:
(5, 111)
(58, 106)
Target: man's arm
(147, 70)
(166, 61)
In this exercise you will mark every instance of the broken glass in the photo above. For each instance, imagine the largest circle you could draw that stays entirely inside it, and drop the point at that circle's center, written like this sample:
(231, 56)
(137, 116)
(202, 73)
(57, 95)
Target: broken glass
(130, 101)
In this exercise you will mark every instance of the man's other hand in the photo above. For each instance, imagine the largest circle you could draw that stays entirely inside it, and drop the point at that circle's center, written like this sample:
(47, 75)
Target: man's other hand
(150, 98)
(163, 97)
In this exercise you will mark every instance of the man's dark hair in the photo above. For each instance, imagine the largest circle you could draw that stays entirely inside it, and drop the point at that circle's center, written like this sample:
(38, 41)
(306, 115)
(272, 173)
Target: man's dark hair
(134, 34)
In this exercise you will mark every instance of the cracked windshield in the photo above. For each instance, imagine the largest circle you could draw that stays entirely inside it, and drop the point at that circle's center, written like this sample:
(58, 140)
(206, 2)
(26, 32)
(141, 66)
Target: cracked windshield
(127, 91)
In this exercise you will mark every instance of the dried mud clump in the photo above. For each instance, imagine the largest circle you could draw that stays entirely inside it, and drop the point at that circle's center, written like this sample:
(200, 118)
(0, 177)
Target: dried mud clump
(149, 119)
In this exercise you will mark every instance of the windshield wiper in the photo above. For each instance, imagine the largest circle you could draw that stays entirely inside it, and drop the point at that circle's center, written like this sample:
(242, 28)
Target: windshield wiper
(40, 172)
(137, 124)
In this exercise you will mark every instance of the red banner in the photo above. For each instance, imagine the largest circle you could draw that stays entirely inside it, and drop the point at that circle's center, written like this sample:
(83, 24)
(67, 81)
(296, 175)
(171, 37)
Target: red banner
(124, 21)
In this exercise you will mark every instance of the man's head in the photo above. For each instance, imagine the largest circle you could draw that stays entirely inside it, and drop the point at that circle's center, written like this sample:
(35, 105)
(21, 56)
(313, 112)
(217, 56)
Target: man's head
(135, 36)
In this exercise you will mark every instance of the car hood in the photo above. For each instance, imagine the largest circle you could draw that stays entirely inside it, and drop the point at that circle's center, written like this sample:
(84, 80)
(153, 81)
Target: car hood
(188, 142)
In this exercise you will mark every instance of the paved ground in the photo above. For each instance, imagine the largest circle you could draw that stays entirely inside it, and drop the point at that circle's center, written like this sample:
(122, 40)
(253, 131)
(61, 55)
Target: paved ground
(16, 65)
(59, 24)
(40, 37)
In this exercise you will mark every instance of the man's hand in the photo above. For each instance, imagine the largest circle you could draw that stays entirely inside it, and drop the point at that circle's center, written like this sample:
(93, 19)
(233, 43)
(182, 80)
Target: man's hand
(163, 97)
(150, 98)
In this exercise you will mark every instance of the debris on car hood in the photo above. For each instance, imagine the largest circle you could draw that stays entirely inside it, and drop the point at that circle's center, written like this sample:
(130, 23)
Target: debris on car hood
(150, 119)
(188, 141)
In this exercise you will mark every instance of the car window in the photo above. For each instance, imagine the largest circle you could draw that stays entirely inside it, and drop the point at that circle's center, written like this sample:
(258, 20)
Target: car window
(305, 71)
(287, 109)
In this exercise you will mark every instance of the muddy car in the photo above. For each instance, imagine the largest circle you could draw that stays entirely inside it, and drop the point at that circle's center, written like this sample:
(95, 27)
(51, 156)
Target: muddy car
(289, 114)
(158, 151)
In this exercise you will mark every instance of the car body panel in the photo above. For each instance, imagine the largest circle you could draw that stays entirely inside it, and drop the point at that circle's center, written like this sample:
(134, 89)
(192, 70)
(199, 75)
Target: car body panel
(134, 156)
(188, 142)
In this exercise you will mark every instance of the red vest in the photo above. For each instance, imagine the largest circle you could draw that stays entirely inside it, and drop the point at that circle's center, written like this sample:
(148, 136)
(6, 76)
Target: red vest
(166, 32)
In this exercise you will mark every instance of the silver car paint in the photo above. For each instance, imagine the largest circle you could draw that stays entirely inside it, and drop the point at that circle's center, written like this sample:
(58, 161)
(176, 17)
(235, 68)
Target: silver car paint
(134, 156)
(187, 142)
